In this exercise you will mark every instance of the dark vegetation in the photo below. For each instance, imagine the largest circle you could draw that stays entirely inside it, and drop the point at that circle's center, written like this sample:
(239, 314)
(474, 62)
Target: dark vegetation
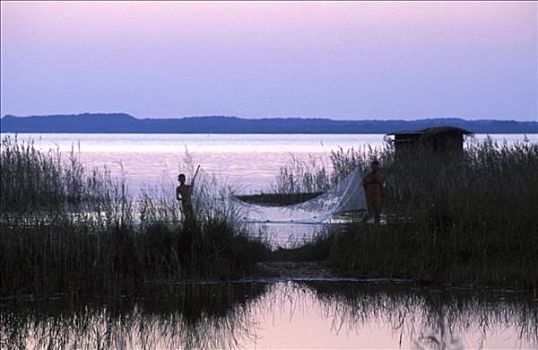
(279, 199)
(125, 123)
(468, 219)
(69, 230)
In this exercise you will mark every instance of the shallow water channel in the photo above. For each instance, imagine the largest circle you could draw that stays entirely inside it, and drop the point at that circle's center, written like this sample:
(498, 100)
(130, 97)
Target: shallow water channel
(282, 314)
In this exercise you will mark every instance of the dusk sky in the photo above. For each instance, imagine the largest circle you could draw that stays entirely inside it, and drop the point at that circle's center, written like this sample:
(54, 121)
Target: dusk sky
(347, 60)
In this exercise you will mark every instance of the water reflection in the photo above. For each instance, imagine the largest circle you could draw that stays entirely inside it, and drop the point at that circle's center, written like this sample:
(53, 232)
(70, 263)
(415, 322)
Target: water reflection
(427, 318)
(281, 315)
(191, 316)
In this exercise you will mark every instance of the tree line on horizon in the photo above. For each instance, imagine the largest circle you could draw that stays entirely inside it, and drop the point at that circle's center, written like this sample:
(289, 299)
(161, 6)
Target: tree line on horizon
(125, 123)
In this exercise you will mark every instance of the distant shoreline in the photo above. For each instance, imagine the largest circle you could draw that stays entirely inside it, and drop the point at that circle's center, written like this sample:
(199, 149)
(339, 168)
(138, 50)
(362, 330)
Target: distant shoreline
(239, 133)
(121, 123)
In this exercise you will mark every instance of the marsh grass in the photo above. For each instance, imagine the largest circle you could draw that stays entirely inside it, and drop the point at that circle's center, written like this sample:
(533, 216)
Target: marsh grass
(31, 180)
(314, 175)
(68, 230)
(315, 248)
(467, 219)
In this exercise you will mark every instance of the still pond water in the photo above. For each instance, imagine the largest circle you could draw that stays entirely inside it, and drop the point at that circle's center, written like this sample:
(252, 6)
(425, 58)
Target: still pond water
(280, 314)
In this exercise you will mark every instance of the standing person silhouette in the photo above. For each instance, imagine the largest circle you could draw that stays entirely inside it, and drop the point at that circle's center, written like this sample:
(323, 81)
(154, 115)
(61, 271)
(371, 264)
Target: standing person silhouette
(373, 183)
(184, 195)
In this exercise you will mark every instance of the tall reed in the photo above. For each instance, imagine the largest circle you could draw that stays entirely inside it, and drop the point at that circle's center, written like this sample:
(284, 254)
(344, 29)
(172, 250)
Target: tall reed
(313, 175)
(31, 180)
(451, 219)
(93, 237)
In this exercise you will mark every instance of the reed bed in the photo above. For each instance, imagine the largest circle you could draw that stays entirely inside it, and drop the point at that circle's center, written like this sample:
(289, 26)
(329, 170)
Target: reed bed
(68, 230)
(314, 175)
(455, 219)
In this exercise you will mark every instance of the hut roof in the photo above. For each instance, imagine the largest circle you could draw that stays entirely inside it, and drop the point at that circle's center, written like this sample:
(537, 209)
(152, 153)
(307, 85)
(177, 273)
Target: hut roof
(434, 131)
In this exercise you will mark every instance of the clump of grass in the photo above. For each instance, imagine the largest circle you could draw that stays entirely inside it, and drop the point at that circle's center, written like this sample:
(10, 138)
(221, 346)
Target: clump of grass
(468, 219)
(312, 175)
(31, 180)
(101, 241)
(315, 249)
(299, 176)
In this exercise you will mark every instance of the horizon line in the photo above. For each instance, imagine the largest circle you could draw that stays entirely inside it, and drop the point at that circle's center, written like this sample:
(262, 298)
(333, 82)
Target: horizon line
(264, 117)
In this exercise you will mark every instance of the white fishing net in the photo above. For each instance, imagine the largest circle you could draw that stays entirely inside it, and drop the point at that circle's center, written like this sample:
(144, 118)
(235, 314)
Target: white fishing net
(348, 195)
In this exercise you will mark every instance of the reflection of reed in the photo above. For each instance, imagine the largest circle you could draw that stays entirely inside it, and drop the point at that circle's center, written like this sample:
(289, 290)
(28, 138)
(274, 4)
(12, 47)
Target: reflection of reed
(208, 316)
(426, 317)
(233, 315)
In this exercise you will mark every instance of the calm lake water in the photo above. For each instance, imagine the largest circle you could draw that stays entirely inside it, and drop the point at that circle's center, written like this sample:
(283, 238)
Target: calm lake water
(282, 315)
(248, 162)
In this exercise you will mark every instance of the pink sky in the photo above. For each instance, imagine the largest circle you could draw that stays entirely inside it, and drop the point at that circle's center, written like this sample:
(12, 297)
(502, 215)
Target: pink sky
(343, 60)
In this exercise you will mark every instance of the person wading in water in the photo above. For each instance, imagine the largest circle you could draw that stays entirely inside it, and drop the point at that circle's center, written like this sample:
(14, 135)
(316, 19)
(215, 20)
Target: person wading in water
(373, 183)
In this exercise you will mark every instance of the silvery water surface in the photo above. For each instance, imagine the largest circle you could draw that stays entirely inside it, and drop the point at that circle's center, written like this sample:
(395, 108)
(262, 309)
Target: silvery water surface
(249, 162)
(264, 314)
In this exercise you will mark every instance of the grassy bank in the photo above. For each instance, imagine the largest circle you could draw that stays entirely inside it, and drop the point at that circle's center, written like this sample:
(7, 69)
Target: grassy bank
(65, 229)
(456, 220)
